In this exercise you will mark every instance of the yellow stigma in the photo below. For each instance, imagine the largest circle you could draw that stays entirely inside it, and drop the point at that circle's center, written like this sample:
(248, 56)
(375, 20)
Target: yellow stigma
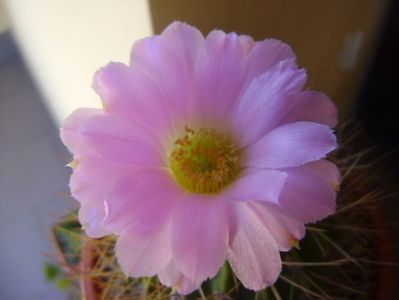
(204, 161)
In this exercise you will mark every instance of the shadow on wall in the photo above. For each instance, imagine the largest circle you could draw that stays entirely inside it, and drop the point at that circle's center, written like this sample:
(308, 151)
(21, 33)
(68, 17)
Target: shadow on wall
(33, 181)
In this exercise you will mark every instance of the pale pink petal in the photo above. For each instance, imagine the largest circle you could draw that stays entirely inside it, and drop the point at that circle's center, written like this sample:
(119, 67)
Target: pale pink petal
(291, 145)
(246, 43)
(177, 44)
(219, 74)
(145, 197)
(70, 134)
(266, 101)
(284, 77)
(253, 253)
(94, 177)
(185, 40)
(90, 216)
(264, 55)
(173, 277)
(142, 214)
(144, 249)
(256, 185)
(91, 180)
(295, 227)
(169, 60)
(284, 230)
(311, 106)
(309, 193)
(122, 142)
(132, 95)
(326, 171)
(200, 235)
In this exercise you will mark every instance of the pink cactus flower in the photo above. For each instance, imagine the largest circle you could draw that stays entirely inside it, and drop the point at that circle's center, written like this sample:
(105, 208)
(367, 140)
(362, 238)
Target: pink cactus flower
(207, 149)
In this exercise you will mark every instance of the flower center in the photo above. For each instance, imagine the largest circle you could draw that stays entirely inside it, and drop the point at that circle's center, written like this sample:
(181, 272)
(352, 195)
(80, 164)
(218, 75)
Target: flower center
(204, 161)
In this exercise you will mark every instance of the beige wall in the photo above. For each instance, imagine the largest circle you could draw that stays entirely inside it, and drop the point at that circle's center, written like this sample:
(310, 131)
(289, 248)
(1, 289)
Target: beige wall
(333, 39)
(64, 42)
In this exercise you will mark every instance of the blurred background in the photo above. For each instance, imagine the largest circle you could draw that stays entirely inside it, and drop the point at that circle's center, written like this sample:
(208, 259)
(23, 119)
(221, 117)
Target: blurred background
(49, 51)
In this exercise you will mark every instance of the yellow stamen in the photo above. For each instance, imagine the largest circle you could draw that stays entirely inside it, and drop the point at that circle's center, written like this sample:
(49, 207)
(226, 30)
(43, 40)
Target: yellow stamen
(204, 161)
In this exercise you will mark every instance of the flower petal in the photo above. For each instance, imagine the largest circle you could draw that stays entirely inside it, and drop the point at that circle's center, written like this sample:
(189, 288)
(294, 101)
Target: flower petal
(219, 74)
(146, 197)
(122, 142)
(284, 230)
(257, 184)
(266, 101)
(185, 40)
(200, 236)
(90, 215)
(144, 250)
(132, 95)
(284, 77)
(140, 207)
(171, 276)
(91, 180)
(326, 171)
(93, 177)
(169, 60)
(264, 55)
(309, 193)
(70, 134)
(311, 106)
(291, 145)
(253, 253)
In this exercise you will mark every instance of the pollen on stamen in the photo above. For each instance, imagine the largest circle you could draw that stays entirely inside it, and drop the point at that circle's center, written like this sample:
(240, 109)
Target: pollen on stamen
(204, 161)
